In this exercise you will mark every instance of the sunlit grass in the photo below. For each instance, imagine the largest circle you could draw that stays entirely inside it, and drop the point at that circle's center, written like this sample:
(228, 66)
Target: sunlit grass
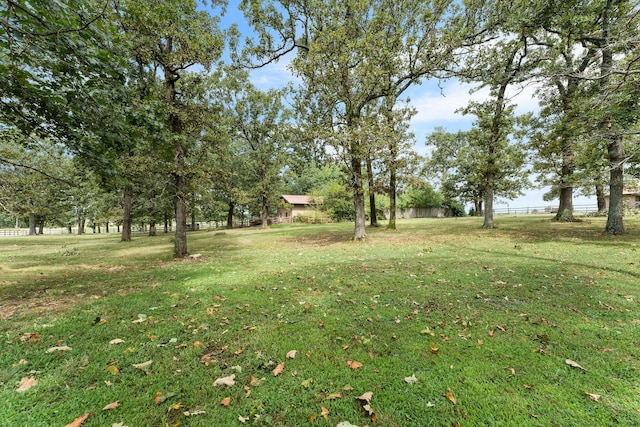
(489, 316)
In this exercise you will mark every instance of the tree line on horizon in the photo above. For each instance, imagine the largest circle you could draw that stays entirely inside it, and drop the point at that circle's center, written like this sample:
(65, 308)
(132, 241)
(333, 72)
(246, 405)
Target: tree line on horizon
(146, 111)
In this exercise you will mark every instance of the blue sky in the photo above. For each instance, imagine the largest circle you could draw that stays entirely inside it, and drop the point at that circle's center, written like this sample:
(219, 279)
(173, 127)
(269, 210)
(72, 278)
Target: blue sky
(435, 105)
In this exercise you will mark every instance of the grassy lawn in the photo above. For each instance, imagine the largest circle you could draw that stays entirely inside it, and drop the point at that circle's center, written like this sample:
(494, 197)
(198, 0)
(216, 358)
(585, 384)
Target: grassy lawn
(442, 321)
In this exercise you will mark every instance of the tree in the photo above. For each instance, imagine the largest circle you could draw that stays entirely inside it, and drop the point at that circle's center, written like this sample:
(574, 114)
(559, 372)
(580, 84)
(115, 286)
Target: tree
(260, 123)
(350, 54)
(174, 36)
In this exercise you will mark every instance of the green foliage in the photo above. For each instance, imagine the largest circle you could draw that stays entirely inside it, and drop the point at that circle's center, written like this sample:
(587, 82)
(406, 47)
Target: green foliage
(421, 197)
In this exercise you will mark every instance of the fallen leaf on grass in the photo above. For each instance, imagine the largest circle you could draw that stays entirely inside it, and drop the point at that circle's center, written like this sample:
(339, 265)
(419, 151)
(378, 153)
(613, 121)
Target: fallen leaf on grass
(434, 349)
(228, 381)
(175, 407)
(255, 382)
(193, 414)
(573, 364)
(306, 383)
(291, 354)
(248, 390)
(450, 396)
(345, 424)
(116, 341)
(226, 401)
(27, 383)
(159, 397)
(278, 370)
(325, 412)
(78, 421)
(61, 348)
(510, 369)
(110, 406)
(334, 396)
(112, 369)
(354, 364)
(366, 397)
(594, 397)
(143, 365)
(411, 380)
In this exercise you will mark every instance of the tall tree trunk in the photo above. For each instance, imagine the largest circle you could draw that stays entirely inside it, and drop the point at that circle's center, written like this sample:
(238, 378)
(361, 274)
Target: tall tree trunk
(264, 213)
(32, 224)
(193, 220)
(488, 201)
(81, 223)
(179, 163)
(360, 233)
(127, 202)
(166, 223)
(106, 227)
(152, 228)
(601, 200)
(615, 145)
(41, 225)
(373, 216)
(180, 247)
(477, 206)
(230, 215)
(392, 197)
(615, 150)
(565, 206)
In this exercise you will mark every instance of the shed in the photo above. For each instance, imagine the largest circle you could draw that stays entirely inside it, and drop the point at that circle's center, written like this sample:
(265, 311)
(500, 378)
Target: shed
(297, 206)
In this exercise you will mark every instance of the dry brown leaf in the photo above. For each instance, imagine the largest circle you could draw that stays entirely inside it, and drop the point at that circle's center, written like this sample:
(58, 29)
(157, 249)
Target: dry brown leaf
(248, 390)
(143, 365)
(312, 418)
(450, 396)
(59, 348)
(334, 396)
(226, 401)
(573, 364)
(116, 341)
(366, 397)
(78, 421)
(411, 380)
(353, 364)
(434, 349)
(110, 406)
(278, 370)
(291, 354)
(325, 412)
(27, 383)
(510, 369)
(255, 382)
(594, 397)
(490, 333)
(228, 381)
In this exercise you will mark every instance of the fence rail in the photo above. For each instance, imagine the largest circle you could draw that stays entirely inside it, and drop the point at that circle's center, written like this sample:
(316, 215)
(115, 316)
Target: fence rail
(543, 210)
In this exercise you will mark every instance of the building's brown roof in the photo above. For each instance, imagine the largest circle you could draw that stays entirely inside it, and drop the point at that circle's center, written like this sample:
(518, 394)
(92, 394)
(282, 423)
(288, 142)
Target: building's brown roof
(299, 200)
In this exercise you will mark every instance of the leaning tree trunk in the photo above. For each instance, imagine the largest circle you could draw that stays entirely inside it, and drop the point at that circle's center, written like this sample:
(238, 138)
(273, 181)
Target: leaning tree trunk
(601, 200)
(373, 217)
(127, 201)
(360, 233)
(41, 225)
(32, 224)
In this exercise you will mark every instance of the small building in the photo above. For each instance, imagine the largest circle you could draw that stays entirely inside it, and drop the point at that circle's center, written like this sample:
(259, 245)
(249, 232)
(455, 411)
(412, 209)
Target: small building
(294, 207)
(630, 198)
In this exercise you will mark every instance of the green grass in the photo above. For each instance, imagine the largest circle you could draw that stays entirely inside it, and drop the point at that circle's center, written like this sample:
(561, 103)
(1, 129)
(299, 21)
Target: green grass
(505, 308)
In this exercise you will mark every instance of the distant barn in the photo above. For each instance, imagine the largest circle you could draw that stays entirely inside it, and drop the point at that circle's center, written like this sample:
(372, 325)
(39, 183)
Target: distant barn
(296, 207)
